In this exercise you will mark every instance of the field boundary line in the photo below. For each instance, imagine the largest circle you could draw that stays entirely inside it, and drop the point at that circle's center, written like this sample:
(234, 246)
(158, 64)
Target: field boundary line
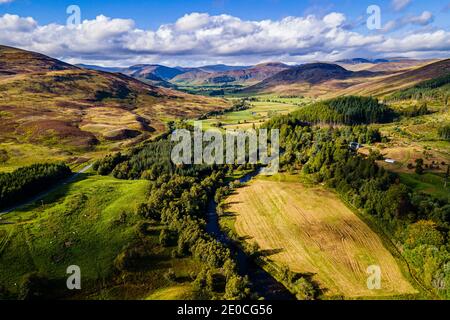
(387, 240)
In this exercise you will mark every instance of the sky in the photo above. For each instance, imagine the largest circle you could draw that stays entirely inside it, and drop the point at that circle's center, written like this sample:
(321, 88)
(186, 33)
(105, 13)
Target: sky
(236, 32)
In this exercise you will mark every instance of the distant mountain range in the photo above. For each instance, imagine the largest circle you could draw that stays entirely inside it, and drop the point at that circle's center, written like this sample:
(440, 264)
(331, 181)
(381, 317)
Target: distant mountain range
(206, 75)
(315, 79)
(362, 60)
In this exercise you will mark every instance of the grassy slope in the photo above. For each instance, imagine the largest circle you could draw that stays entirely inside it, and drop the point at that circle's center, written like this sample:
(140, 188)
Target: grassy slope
(385, 85)
(428, 183)
(82, 224)
(311, 231)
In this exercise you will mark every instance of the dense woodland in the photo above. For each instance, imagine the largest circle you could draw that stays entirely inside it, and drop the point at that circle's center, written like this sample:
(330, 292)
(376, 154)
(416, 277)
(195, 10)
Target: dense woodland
(351, 110)
(28, 181)
(417, 222)
(148, 162)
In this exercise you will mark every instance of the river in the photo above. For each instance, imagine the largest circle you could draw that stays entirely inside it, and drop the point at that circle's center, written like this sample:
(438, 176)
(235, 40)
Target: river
(261, 281)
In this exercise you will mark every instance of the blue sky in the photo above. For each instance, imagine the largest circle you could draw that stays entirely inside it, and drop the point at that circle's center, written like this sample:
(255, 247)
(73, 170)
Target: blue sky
(153, 13)
(400, 19)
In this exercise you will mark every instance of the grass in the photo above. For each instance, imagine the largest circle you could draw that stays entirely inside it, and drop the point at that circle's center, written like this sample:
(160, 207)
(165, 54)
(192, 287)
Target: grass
(259, 112)
(179, 292)
(429, 183)
(312, 232)
(74, 225)
(87, 223)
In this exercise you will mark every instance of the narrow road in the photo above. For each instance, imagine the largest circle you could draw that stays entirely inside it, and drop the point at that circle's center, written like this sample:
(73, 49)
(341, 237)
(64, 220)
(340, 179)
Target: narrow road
(44, 194)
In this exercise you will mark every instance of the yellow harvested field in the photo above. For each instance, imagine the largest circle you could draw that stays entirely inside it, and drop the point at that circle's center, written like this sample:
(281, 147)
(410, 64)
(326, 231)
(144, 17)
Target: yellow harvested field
(311, 231)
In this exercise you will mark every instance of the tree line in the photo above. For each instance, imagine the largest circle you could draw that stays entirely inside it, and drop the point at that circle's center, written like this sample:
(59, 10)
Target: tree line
(350, 110)
(26, 182)
(239, 105)
(444, 132)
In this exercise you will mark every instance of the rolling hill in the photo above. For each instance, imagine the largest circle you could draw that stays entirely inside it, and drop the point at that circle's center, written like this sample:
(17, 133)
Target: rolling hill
(245, 76)
(381, 65)
(147, 71)
(331, 80)
(143, 73)
(47, 102)
(388, 84)
(222, 68)
(306, 78)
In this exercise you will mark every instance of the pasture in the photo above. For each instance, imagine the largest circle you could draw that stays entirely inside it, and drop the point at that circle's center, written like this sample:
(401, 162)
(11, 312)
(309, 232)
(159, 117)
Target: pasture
(255, 116)
(87, 223)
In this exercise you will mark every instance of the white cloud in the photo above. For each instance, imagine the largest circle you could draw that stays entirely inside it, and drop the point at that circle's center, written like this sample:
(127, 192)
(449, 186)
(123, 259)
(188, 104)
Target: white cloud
(6, 1)
(199, 38)
(425, 18)
(399, 5)
(430, 41)
(422, 20)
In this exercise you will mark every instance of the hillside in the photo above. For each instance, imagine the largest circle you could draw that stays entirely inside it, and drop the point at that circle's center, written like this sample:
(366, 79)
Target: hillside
(14, 62)
(137, 72)
(246, 76)
(388, 66)
(302, 79)
(91, 222)
(386, 85)
(222, 68)
(147, 71)
(49, 103)
(192, 77)
(331, 80)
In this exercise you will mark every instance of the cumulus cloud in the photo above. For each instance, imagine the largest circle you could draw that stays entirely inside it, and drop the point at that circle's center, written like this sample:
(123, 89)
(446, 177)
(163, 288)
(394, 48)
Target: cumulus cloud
(199, 38)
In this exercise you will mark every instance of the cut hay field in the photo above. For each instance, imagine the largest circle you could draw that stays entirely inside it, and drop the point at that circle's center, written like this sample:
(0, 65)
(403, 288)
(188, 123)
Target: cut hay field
(312, 232)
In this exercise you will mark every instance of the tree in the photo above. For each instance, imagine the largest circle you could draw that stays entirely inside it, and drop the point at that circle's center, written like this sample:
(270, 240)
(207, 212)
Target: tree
(33, 286)
(447, 174)
(170, 275)
(424, 233)
(419, 166)
(304, 290)
(236, 288)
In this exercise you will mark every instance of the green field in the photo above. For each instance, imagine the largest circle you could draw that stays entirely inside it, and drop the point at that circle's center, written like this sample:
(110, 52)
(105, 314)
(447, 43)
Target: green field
(257, 114)
(87, 223)
(429, 183)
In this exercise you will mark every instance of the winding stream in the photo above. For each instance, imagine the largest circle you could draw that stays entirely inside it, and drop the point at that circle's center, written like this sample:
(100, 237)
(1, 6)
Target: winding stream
(262, 282)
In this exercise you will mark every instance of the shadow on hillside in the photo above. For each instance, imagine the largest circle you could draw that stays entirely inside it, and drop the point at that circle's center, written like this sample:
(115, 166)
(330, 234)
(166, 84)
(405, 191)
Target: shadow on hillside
(52, 195)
